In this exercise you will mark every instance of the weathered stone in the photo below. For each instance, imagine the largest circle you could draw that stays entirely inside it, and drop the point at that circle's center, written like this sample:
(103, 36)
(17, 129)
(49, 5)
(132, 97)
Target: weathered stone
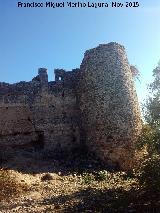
(109, 105)
(96, 104)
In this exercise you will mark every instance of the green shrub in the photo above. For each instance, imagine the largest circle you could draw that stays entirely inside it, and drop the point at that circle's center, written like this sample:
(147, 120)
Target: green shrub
(148, 170)
(149, 173)
(150, 138)
(100, 176)
(87, 178)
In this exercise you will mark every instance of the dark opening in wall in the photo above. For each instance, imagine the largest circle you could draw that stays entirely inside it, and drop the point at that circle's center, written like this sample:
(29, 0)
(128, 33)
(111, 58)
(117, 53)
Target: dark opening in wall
(39, 143)
(74, 139)
(110, 138)
(15, 133)
(59, 74)
(29, 119)
(64, 114)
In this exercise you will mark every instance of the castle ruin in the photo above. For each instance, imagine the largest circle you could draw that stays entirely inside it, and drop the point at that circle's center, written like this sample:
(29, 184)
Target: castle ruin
(95, 106)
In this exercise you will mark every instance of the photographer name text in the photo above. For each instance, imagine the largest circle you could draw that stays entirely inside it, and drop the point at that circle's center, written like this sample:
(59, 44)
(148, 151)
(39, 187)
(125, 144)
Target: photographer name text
(114, 4)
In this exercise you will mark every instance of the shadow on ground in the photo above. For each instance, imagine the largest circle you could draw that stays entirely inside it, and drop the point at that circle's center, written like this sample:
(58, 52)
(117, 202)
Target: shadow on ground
(34, 162)
(111, 200)
(86, 199)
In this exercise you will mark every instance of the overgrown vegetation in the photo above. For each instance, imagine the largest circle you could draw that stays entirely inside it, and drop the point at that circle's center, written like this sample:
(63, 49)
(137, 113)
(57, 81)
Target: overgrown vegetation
(149, 171)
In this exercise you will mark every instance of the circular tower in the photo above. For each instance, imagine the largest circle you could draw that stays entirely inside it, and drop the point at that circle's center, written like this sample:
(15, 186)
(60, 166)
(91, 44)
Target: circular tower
(108, 104)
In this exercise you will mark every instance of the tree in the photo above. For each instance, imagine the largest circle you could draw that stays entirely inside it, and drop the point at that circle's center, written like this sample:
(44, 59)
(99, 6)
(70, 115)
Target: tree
(152, 106)
(149, 171)
(151, 109)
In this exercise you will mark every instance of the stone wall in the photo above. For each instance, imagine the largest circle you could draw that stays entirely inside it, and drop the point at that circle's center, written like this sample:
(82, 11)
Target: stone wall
(109, 105)
(95, 106)
(36, 110)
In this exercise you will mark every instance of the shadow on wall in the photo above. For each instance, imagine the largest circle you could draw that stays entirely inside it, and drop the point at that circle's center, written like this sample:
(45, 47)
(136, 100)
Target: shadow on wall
(39, 143)
(38, 160)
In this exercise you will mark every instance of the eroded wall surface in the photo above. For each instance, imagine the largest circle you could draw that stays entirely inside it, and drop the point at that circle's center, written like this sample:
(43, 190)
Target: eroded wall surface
(109, 105)
(40, 113)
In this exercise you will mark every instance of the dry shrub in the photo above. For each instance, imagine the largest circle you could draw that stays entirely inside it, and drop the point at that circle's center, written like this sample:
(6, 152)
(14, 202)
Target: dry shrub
(9, 187)
(46, 177)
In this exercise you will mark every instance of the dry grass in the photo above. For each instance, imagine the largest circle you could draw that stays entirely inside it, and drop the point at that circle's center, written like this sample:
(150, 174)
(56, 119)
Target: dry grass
(9, 187)
(78, 185)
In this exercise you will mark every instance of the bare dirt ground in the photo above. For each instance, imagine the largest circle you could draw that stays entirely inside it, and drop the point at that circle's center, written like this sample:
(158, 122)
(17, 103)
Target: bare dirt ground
(73, 185)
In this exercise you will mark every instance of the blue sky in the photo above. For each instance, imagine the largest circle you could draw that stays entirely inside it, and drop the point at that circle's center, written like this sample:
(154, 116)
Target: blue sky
(57, 38)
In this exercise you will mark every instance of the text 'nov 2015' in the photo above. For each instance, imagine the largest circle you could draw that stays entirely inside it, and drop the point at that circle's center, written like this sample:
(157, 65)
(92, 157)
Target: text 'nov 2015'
(89, 4)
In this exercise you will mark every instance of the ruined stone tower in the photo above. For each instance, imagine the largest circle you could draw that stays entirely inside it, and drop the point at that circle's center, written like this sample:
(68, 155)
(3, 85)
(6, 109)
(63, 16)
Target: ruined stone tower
(108, 104)
(43, 77)
(95, 106)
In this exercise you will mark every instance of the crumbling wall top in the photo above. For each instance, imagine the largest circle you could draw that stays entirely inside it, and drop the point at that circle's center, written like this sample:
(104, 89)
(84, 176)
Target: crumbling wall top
(42, 71)
(59, 74)
(107, 47)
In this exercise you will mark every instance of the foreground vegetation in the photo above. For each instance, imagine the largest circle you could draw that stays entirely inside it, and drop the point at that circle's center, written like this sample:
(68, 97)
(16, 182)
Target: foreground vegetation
(149, 170)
